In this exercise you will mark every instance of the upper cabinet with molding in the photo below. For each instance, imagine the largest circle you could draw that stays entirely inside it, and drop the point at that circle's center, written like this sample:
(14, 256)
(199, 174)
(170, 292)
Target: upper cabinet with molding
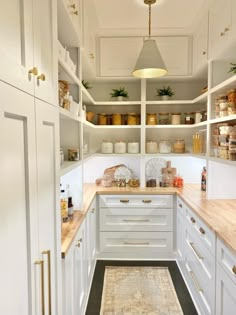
(222, 26)
(28, 55)
(200, 45)
(118, 55)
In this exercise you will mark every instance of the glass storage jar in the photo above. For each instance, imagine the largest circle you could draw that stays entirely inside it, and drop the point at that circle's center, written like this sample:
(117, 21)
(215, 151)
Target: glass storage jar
(116, 119)
(163, 118)
(179, 146)
(231, 94)
(175, 118)
(107, 147)
(132, 119)
(198, 117)
(120, 147)
(151, 119)
(204, 115)
(189, 118)
(133, 147)
(102, 119)
(151, 146)
(165, 146)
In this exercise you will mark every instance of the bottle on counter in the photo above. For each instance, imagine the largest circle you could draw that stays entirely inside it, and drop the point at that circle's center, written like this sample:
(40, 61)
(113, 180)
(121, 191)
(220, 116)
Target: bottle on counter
(70, 202)
(64, 206)
(203, 179)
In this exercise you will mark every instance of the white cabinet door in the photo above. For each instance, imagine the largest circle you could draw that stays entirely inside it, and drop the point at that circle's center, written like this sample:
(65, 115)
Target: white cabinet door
(200, 45)
(45, 50)
(47, 140)
(18, 224)
(16, 49)
(225, 293)
(180, 230)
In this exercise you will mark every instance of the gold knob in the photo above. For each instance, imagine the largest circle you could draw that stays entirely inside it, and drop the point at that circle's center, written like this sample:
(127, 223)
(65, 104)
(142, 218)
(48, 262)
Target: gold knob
(234, 269)
(204, 53)
(33, 71)
(93, 210)
(78, 244)
(41, 77)
(76, 12)
(222, 34)
(72, 6)
(202, 230)
(91, 56)
(192, 220)
(226, 29)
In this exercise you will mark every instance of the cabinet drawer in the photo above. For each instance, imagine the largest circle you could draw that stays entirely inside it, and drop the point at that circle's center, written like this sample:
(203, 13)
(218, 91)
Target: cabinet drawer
(144, 201)
(136, 219)
(136, 242)
(181, 206)
(201, 230)
(227, 259)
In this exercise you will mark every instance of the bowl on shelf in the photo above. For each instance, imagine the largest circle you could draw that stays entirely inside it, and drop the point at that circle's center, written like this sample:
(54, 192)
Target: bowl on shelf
(89, 116)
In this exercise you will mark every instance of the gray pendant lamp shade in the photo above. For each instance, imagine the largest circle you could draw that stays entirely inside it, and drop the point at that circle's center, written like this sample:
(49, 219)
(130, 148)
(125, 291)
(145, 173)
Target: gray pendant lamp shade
(150, 63)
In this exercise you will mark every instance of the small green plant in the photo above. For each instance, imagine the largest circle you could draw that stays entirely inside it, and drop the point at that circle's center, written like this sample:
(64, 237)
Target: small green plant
(165, 91)
(86, 85)
(119, 92)
(233, 68)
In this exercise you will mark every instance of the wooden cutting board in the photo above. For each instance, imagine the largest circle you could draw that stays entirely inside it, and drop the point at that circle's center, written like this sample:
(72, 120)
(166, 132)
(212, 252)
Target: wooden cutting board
(170, 171)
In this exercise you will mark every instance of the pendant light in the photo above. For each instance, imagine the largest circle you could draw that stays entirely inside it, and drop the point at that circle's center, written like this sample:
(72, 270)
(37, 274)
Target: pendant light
(150, 63)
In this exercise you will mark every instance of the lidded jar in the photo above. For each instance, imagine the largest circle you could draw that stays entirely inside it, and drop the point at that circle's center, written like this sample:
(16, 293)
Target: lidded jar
(116, 119)
(132, 119)
(231, 94)
(151, 146)
(179, 146)
(102, 119)
(151, 119)
(120, 147)
(107, 147)
(189, 118)
(133, 147)
(163, 118)
(165, 146)
(175, 118)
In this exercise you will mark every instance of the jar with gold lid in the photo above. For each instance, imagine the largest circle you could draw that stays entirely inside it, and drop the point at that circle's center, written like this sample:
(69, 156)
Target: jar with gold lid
(116, 119)
(231, 94)
(175, 118)
(179, 146)
(132, 119)
(120, 147)
(151, 146)
(151, 119)
(163, 118)
(102, 119)
(189, 118)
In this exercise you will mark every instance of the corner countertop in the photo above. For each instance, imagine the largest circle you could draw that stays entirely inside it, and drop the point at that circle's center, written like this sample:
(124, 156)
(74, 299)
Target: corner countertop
(219, 215)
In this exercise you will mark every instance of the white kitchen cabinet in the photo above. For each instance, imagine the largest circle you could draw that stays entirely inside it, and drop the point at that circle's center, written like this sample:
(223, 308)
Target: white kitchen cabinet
(28, 56)
(29, 163)
(200, 46)
(225, 280)
(118, 55)
(180, 231)
(222, 26)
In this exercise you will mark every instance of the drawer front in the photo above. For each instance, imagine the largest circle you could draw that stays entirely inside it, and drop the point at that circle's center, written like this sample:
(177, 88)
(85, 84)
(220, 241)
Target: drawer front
(181, 206)
(144, 201)
(201, 231)
(136, 242)
(227, 259)
(202, 257)
(136, 219)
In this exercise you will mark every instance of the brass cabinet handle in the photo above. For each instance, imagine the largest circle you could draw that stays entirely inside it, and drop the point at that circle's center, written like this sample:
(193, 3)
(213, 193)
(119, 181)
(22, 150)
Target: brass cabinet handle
(41, 77)
(222, 34)
(196, 251)
(72, 6)
(93, 210)
(195, 282)
(124, 200)
(33, 71)
(48, 253)
(76, 12)
(202, 230)
(192, 220)
(147, 201)
(226, 29)
(41, 263)
(204, 52)
(91, 56)
(136, 220)
(79, 242)
(136, 243)
(234, 269)
(180, 205)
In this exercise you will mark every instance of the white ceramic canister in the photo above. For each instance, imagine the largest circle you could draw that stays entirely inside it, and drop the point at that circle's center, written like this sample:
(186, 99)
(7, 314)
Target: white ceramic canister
(175, 118)
(107, 147)
(120, 147)
(151, 147)
(198, 117)
(133, 147)
(165, 146)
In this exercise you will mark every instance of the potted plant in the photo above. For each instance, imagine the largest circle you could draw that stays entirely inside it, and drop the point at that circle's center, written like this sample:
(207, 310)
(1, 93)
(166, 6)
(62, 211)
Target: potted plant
(120, 93)
(86, 85)
(165, 92)
(233, 68)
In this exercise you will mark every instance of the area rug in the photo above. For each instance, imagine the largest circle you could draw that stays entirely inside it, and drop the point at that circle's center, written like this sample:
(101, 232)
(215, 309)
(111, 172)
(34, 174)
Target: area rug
(139, 291)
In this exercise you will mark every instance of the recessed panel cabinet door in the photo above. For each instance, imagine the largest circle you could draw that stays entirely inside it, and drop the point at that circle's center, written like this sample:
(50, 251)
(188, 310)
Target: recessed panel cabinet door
(47, 141)
(18, 224)
(45, 50)
(16, 49)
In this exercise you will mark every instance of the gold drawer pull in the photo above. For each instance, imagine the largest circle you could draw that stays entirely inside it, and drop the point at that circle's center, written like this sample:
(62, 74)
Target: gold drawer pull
(196, 251)
(226, 29)
(72, 6)
(41, 264)
(33, 71)
(41, 77)
(48, 253)
(76, 13)
(180, 205)
(202, 230)
(124, 200)
(136, 220)
(192, 220)
(234, 269)
(136, 243)
(204, 52)
(195, 282)
(146, 201)
(222, 34)
(93, 210)
(79, 242)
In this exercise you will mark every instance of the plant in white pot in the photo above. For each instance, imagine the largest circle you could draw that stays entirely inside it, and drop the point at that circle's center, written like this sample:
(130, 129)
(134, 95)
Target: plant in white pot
(119, 94)
(165, 93)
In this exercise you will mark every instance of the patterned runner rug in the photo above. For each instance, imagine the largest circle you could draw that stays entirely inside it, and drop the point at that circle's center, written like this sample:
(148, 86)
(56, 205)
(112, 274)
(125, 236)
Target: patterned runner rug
(139, 291)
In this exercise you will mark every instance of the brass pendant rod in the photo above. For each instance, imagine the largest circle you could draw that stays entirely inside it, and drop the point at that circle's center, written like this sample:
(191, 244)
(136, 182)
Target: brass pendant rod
(149, 24)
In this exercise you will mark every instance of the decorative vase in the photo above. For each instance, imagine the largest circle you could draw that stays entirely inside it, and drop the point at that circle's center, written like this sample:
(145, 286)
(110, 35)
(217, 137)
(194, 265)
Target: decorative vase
(165, 97)
(120, 98)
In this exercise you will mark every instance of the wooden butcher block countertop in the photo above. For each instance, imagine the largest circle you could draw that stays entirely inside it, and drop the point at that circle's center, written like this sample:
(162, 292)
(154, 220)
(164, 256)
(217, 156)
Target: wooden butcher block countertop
(219, 215)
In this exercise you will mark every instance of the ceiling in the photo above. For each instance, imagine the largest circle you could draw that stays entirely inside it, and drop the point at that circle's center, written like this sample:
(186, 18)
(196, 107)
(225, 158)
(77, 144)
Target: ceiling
(124, 15)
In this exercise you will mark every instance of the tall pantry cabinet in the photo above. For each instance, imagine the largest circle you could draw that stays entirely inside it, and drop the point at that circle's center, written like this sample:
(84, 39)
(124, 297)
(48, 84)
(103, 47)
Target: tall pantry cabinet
(29, 140)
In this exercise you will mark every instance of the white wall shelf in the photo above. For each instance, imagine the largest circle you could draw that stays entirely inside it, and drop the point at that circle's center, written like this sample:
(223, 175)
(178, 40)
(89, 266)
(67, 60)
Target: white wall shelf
(117, 126)
(66, 74)
(192, 126)
(65, 114)
(222, 119)
(224, 86)
(125, 103)
(68, 166)
(222, 161)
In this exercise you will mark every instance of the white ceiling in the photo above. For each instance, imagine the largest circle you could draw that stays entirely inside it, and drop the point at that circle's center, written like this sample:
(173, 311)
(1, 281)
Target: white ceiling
(133, 14)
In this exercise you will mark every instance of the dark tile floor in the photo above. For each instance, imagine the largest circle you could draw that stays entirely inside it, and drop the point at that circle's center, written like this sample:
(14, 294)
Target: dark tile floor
(94, 302)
